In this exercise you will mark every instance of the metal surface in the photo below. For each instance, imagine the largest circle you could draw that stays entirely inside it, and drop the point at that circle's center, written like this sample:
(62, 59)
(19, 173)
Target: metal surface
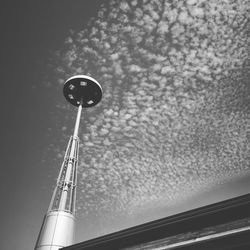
(82, 89)
(57, 231)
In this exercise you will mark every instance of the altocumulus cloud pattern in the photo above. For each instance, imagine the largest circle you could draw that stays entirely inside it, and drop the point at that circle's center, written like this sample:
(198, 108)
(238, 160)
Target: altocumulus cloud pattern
(175, 116)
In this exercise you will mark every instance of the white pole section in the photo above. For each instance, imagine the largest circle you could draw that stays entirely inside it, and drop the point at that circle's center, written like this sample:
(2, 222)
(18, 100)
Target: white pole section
(78, 118)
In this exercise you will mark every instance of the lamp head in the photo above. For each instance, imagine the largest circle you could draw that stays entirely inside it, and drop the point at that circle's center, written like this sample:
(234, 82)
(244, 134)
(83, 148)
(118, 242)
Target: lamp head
(82, 90)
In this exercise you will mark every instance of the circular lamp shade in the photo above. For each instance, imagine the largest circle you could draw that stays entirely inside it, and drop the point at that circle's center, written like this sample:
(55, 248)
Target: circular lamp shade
(82, 89)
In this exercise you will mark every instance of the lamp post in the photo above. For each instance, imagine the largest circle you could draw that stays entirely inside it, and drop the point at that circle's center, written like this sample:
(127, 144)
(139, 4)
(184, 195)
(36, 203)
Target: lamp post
(57, 229)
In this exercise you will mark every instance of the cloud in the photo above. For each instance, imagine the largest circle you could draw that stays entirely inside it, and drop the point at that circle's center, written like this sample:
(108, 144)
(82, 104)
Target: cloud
(175, 116)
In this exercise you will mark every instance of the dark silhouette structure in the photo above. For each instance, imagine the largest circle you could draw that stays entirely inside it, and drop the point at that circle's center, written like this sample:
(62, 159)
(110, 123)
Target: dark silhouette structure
(223, 225)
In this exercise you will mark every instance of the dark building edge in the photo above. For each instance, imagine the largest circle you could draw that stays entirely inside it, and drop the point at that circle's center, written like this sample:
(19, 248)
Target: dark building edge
(237, 241)
(193, 220)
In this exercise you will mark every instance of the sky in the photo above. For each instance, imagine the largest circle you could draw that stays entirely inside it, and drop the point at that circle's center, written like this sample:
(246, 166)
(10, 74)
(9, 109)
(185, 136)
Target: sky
(171, 132)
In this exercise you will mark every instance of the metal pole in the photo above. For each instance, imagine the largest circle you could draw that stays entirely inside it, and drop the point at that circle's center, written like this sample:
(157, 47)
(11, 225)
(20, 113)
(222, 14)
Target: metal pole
(58, 226)
(72, 155)
(78, 118)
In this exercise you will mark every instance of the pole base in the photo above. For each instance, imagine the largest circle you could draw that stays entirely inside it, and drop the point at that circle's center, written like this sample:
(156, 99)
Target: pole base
(57, 231)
